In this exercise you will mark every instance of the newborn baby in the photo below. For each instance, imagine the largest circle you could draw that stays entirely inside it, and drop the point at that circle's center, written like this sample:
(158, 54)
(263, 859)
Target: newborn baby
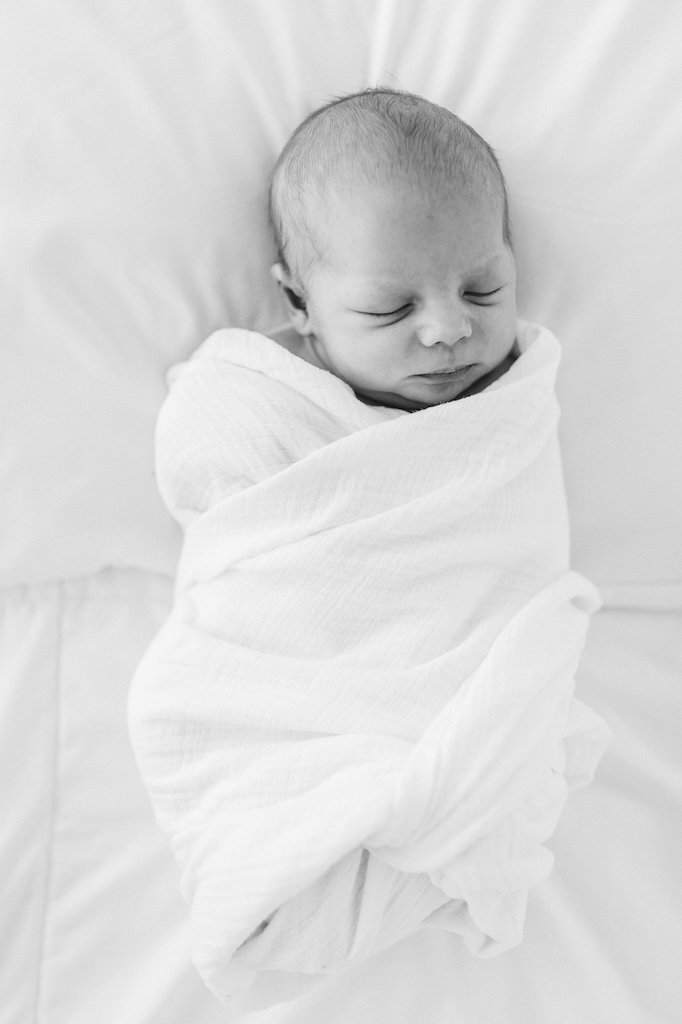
(358, 720)
(395, 259)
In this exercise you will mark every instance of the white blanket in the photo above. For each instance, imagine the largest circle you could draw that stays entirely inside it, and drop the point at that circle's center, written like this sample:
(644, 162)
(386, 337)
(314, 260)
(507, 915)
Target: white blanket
(359, 719)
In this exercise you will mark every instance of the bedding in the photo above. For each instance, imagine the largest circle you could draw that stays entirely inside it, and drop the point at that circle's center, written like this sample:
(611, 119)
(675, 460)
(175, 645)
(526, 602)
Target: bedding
(136, 140)
(358, 719)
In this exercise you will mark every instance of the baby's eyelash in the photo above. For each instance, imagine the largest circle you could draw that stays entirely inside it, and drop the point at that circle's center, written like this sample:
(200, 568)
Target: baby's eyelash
(405, 308)
(484, 295)
(392, 312)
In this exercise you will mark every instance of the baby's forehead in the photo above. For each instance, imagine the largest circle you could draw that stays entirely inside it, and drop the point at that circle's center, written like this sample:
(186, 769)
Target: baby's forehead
(330, 196)
(407, 242)
(393, 196)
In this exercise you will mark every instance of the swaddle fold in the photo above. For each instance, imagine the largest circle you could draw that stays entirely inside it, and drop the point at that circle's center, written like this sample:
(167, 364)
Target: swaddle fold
(359, 719)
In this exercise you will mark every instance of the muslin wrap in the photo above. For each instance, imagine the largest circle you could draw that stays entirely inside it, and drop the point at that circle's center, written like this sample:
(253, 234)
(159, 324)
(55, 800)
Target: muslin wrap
(358, 720)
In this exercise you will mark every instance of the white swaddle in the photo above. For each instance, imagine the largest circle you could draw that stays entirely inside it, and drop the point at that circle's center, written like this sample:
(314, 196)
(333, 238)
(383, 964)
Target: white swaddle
(359, 719)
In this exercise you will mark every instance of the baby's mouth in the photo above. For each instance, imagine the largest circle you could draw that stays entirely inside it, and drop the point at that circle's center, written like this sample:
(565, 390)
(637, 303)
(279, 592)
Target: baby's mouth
(447, 373)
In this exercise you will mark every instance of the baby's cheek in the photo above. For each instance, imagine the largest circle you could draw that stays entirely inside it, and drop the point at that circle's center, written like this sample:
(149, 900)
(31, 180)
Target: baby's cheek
(500, 325)
(382, 352)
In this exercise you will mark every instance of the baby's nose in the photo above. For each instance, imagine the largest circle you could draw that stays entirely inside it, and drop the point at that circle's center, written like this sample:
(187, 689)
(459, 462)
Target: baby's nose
(445, 330)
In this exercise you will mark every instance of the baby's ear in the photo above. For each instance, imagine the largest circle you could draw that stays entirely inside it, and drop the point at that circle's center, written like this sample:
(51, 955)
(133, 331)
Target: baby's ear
(294, 301)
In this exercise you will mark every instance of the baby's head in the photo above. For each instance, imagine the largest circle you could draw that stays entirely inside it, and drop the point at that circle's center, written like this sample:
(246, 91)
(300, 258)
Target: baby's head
(394, 251)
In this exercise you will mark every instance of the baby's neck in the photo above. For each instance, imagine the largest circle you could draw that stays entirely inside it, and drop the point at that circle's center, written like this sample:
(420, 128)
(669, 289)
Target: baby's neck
(289, 339)
(303, 347)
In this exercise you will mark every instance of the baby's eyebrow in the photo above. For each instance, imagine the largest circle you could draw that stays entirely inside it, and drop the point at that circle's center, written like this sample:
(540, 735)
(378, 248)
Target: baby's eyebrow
(369, 291)
(381, 281)
(488, 263)
(373, 289)
(380, 300)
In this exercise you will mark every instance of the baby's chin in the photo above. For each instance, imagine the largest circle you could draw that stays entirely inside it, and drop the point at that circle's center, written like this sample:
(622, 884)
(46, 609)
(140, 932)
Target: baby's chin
(419, 393)
(412, 402)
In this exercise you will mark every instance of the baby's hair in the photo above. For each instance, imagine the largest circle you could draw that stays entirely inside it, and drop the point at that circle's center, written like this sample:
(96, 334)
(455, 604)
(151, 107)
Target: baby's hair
(379, 134)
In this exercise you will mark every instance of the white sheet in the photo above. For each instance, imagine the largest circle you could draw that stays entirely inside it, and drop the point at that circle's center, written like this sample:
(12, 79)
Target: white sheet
(92, 926)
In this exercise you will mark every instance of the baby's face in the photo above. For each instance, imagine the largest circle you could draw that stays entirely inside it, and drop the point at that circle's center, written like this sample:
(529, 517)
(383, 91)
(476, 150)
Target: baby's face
(414, 301)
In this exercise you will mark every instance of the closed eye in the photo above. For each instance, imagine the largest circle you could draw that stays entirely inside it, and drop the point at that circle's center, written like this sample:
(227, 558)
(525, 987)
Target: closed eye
(476, 296)
(391, 312)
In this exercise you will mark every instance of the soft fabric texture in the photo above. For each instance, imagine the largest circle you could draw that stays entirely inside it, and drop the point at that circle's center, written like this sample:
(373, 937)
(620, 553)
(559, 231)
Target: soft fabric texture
(358, 720)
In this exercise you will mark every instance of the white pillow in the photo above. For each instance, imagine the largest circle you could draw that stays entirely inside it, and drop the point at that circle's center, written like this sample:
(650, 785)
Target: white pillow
(137, 139)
